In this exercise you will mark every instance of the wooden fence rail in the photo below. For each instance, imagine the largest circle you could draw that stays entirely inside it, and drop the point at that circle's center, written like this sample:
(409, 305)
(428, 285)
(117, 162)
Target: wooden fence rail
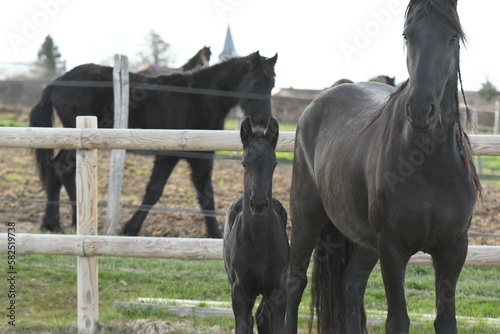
(177, 248)
(169, 140)
(88, 246)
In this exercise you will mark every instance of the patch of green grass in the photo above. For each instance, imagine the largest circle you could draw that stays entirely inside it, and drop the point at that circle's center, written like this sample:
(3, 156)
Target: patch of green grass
(11, 123)
(13, 177)
(46, 291)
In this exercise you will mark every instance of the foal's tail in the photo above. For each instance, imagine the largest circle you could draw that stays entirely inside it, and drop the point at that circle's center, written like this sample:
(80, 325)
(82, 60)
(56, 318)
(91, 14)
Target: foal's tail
(42, 116)
(331, 256)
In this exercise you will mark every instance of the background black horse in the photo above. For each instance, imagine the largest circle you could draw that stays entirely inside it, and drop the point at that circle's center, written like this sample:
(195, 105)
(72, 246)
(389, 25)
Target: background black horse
(200, 59)
(380, 173)
(195, 100)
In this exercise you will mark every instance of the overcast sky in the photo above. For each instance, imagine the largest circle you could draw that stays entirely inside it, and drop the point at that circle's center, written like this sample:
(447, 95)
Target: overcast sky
(317, 41)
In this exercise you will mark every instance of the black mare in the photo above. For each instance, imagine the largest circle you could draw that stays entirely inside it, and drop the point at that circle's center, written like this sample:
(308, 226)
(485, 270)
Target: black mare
(200, 59)
(255, 241)
(202, 100)
(381, 78)
(385, 79)
(380, 173)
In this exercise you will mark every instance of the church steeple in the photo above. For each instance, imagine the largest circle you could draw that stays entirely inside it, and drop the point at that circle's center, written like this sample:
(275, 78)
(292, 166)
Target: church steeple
(229, 50)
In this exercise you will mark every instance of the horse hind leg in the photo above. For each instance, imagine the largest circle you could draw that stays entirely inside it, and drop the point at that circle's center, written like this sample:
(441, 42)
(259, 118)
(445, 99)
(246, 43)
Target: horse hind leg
(62, 168)
(163, 167)
(448, 266)
(201, 175)
(307, 222)
(68, 178)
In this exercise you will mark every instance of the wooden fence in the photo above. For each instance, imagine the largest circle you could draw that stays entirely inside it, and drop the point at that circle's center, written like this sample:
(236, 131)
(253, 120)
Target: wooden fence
(87, 246)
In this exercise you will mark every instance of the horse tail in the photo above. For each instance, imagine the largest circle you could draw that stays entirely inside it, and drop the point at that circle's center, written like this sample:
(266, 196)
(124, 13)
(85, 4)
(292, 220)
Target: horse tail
(42, 116)
(331, 256)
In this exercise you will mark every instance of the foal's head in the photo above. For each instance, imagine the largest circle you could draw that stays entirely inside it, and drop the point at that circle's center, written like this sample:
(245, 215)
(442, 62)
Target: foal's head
(257, 85)
(259, 161)
(432, 35)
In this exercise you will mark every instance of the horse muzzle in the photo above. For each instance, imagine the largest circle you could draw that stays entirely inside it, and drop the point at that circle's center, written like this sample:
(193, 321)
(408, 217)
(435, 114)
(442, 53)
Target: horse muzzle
(259, 206)
(421, 118)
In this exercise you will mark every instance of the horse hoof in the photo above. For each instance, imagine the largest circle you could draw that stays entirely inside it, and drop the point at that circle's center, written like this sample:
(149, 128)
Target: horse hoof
(55, 230)
(128, 233)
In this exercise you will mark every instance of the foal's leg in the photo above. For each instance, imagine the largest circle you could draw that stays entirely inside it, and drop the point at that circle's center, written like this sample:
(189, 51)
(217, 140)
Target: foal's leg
(263, 317)
(163, 167)
(393, 261)
(242, 309)
(448, 266)
(201, 175)
(354, 283)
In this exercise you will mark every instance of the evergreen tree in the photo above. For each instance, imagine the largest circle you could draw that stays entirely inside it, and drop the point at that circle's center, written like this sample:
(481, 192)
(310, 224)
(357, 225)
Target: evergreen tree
(49, 58)
(488, 90)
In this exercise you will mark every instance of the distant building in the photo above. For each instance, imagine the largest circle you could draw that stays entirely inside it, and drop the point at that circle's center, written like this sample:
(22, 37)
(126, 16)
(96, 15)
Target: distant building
(289, 103)
(229, 50)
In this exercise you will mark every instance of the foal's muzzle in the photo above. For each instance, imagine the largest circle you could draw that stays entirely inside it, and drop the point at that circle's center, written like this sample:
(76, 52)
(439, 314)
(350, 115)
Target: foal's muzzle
(259, 206)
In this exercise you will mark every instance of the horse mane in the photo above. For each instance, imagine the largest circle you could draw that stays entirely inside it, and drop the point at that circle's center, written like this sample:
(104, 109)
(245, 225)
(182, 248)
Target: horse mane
(443, 13)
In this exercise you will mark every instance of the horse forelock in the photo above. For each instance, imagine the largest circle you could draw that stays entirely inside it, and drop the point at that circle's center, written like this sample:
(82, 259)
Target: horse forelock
(444, 13)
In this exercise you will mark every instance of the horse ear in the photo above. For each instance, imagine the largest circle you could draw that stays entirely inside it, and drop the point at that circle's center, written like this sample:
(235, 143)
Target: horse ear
(254, 59)
(274, 59)
(272, 131)
(246, 131)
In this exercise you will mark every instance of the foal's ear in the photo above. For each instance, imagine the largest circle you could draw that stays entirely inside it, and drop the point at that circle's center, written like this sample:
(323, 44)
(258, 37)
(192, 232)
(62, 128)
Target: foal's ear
(246, 132)
(272, 131)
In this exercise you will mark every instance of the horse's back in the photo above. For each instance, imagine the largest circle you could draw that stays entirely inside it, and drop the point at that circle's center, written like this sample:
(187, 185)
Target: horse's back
(338, 115)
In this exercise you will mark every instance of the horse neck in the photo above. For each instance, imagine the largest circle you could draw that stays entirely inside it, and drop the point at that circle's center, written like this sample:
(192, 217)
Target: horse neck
(224, 76)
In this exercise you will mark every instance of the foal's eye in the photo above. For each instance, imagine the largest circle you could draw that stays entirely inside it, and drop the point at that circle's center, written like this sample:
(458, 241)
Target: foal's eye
(453, 39)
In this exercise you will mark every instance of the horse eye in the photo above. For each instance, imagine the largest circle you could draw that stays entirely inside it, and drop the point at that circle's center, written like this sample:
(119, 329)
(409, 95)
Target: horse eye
(453, 39)
(405, 38)
(243, 164)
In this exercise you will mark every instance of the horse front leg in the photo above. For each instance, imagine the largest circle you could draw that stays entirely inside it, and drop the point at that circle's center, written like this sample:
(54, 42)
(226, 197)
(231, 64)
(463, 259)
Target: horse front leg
(163, 167)
(201, 175)
(308, 218)
(354, 283)
(393, 261)
(448, 266)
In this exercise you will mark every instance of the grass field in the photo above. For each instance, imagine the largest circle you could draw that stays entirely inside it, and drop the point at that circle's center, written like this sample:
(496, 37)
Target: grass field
(46, 293)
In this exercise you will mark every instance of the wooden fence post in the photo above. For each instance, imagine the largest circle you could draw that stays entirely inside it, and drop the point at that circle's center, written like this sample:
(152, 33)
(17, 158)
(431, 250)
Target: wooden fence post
(86, 224)
(121, 98)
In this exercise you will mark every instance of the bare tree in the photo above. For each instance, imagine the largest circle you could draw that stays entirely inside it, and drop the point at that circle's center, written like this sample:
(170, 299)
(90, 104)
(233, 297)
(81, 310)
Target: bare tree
(156, 50)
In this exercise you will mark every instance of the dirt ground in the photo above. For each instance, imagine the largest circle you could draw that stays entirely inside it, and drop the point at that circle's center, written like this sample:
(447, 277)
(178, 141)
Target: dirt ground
(22, 198)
